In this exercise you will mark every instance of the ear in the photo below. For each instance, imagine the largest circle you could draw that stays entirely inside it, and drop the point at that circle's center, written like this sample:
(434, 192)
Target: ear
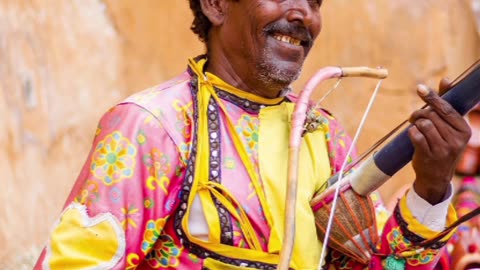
(214, 10)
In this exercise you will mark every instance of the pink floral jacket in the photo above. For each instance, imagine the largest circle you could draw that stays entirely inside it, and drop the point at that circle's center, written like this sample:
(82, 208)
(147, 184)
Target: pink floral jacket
(126, 207)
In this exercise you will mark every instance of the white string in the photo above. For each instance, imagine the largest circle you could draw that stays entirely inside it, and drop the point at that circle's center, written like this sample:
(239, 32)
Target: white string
(328, 92)
(340, 175)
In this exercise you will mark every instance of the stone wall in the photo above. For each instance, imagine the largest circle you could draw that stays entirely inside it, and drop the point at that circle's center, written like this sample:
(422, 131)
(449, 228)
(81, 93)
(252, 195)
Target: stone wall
(63, 63)
(60, 61)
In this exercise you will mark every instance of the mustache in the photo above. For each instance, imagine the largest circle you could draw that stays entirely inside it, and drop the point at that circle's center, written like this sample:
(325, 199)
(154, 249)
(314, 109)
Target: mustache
(295, 30)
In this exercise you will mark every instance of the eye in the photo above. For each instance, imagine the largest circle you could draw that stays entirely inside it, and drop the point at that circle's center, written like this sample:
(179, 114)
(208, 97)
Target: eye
(315, 3)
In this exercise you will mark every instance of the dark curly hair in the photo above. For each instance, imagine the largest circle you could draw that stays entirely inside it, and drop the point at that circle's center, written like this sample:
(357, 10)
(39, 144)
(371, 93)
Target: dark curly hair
(201, 24)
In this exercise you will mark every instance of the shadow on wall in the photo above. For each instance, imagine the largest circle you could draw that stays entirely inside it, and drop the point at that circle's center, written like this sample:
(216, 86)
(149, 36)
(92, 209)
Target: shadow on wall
(65, 63)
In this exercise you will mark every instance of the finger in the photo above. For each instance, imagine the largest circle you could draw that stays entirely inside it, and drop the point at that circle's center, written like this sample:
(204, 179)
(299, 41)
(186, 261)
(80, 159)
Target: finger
(447, 132)
(453, 137)
(418, 140)
(442, 107)
(444, 85)
(431, 134)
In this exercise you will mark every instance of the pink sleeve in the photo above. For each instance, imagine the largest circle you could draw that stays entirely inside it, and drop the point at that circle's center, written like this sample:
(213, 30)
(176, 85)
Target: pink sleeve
(122, 198)
(402, 235)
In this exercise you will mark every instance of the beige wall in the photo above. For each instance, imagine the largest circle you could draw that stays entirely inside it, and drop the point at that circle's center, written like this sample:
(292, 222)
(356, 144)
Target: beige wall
(63, 63)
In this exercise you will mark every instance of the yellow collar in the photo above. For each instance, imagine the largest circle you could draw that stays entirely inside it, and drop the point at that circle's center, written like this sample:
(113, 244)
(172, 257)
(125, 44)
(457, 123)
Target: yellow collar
(210, 79)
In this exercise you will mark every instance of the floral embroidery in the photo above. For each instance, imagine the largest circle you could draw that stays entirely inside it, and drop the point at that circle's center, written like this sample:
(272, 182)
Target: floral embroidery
(424, 257)
(153, 228)
(396, 239)
(115, 195)
(398, 242)
(233, 109)
(229, 163)
(261, 214)
(159, 166)
(149, 120)
(252, 192)
(152, 183)
(340, 139)
(248, 127)
(114, 121)
(170, 204)
(341, 261)
(238, 236)
(381, 212)
(182, 125)
(146, 96)
(133, 260)
(239, 239)
(165, 254)
(193, 258)
(141, 137)
(98, 130)
(129, 214)
(178, 171)
(113, 159)
(148, 203)
(342, 144)
(184, 149)
(184, 118)
(89, 194)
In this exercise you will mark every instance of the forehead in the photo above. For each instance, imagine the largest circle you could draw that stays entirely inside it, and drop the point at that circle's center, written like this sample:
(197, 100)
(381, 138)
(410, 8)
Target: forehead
(252, 5)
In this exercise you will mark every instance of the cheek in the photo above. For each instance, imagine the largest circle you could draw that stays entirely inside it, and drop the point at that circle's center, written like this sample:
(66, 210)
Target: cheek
(316, 26)
(260, 13)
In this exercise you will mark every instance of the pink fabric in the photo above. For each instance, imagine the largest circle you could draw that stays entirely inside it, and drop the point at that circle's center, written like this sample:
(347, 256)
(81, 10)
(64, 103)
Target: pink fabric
(137, 165)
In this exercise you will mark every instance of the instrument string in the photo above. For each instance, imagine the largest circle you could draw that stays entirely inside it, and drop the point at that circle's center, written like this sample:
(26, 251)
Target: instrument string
(351, 165)
(335, 86)
(372, 148)
(342, 169)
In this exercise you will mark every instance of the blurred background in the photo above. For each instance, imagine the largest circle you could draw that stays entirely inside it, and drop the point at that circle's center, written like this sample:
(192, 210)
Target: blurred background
(64, 63)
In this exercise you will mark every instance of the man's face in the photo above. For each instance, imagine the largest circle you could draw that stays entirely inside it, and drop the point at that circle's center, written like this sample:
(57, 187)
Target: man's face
(270, 39)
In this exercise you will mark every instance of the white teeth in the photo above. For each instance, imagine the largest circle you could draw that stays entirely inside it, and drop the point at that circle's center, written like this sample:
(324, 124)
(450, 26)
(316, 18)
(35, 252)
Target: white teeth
(288, 39)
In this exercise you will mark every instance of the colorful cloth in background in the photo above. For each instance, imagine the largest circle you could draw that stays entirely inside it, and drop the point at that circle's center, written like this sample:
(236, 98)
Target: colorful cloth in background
(196, 159)
(463, 249)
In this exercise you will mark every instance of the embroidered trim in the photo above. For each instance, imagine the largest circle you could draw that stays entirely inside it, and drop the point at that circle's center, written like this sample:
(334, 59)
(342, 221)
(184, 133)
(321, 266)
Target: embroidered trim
(245, 104)
(185, 192)
(187, 184)
(216, 170)
(411, 236)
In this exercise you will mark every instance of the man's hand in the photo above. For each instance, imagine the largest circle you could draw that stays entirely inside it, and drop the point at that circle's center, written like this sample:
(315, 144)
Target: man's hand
(439, 135)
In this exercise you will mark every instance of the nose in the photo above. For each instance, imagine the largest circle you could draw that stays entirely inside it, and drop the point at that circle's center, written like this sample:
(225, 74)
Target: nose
(301, 11)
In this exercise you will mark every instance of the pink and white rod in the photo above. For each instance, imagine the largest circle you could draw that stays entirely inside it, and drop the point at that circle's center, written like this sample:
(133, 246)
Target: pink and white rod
(298, 121)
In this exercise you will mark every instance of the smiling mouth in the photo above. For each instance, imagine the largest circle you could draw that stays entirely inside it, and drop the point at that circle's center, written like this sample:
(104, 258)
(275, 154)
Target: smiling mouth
(287, 39)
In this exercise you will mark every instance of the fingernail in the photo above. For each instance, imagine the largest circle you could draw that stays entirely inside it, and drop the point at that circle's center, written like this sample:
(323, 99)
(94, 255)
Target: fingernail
(422, 90)
(446, 81)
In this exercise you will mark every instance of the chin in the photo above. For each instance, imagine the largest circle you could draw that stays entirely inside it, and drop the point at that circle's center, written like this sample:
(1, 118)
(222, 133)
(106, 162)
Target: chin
(281, 74)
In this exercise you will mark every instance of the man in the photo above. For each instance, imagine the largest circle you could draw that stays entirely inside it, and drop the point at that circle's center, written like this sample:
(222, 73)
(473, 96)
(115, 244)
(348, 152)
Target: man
(191, 174)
